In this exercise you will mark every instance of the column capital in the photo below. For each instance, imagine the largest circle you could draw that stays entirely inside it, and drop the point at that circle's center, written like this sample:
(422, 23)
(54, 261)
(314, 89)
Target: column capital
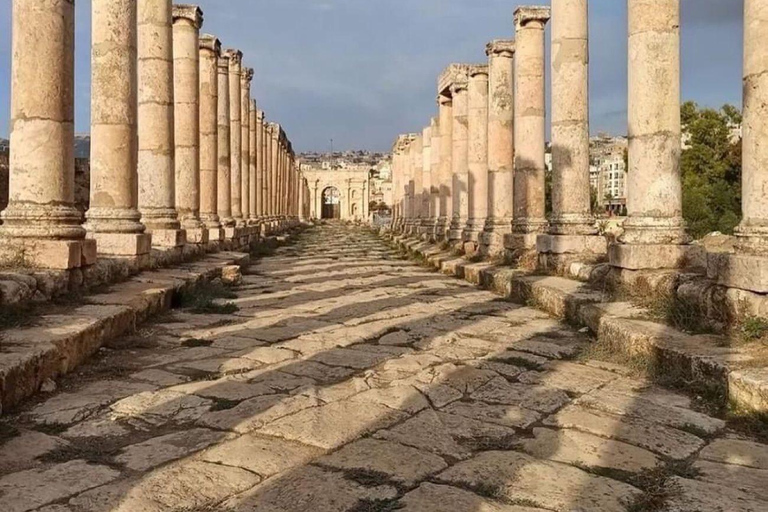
(211, 43)
(501, 48)
(532, 14)
(260, 115)
(190, 13)
(223, 63)
(247, 75)
(235, 56)
(477, 69)
(454, 73)
(253, 107)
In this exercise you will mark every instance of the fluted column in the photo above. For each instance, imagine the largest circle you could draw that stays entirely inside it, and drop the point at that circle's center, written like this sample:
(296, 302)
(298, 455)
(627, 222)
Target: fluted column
(477, 154)
(41, 208)
(245, 160)
(113, 217)
(426, 180)
(459, 149)
(654, 229)
(268, 183)
(446, 166)
(157, 177)
(529, 196)
(748, 267)
(501, 145)
(209, 52)
(187, 20)
(224, 170)
(235, 134)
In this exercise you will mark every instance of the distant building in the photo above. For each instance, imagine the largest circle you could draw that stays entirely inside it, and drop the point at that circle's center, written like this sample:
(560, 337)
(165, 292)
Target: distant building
(608, 173)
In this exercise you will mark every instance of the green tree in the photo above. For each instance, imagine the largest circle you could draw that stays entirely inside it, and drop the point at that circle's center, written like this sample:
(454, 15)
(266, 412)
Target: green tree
(711, 170)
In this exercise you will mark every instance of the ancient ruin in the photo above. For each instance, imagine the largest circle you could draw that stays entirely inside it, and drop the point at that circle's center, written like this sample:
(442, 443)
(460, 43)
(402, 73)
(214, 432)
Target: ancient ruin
(221, 325)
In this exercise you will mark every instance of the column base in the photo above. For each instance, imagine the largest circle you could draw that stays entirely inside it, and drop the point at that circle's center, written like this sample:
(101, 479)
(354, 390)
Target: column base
(169, 238)
(656, 256)
(572, 244)
(47, 254)
(197, 236)
(743, 271)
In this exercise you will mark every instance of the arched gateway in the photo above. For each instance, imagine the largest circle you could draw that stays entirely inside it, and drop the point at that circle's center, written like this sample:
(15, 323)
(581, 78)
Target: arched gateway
(331, 203)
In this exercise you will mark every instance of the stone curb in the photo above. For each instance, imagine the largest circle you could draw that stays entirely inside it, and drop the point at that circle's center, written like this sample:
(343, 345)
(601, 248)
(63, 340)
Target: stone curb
(701, 360)
(61, 341)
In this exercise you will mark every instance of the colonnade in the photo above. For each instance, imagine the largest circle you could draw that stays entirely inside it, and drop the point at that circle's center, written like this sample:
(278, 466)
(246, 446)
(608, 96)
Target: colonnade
(180, 152)
(487, 149)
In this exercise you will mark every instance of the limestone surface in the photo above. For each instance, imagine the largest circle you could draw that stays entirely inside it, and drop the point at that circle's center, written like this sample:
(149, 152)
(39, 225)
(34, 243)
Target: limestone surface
(351, 380)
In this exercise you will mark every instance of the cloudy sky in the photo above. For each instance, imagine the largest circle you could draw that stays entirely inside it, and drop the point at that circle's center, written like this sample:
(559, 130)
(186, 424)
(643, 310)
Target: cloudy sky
(361, 71)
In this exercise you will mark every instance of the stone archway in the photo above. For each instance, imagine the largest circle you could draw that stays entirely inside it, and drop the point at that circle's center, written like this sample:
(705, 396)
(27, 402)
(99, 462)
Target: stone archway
(331, 203)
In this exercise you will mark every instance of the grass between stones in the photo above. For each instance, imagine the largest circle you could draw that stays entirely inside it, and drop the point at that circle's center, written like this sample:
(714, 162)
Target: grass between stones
(201, 299)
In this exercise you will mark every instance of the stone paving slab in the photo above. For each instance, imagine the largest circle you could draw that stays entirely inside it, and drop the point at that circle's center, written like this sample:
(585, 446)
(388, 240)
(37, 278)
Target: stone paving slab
(351, 380)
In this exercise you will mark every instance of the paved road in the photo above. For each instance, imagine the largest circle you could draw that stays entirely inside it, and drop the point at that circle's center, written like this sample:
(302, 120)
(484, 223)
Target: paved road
(351, 380)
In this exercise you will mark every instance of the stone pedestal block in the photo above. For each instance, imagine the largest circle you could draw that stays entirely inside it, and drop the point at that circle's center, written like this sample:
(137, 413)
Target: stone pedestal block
(656, 256)
(197, 236)
(744, 271)
(122, 244)
(48, 254)
(169, 237)
(520, 241)
(215, 234)
(231, 233)
(571, 244)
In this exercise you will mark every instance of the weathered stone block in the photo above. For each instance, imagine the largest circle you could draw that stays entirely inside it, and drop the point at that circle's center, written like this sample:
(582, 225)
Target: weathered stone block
(197, 236)
(169, 237)
(122, 244)
(655, 256)
(743, 271)
(571, 244)
(48, 254)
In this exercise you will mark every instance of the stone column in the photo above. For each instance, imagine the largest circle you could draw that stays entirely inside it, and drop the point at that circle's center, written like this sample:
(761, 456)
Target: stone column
(235, 134)
(209, 52)
(460, 147)
(446, 166)
(268, 212)
(501, 145)
(434, 186)
(261, 169)
(748, 267)
(426, 181)
(245, 140)
(529, 218)
(157, 175)
(572, 226)
(113, 217)
(275, 159)
(224, 174)
(654, 229)
(187, 20)
(417, 171)
(302, 198)
(253, 163)
(41, 224)
(477, 156)
(407, 185)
